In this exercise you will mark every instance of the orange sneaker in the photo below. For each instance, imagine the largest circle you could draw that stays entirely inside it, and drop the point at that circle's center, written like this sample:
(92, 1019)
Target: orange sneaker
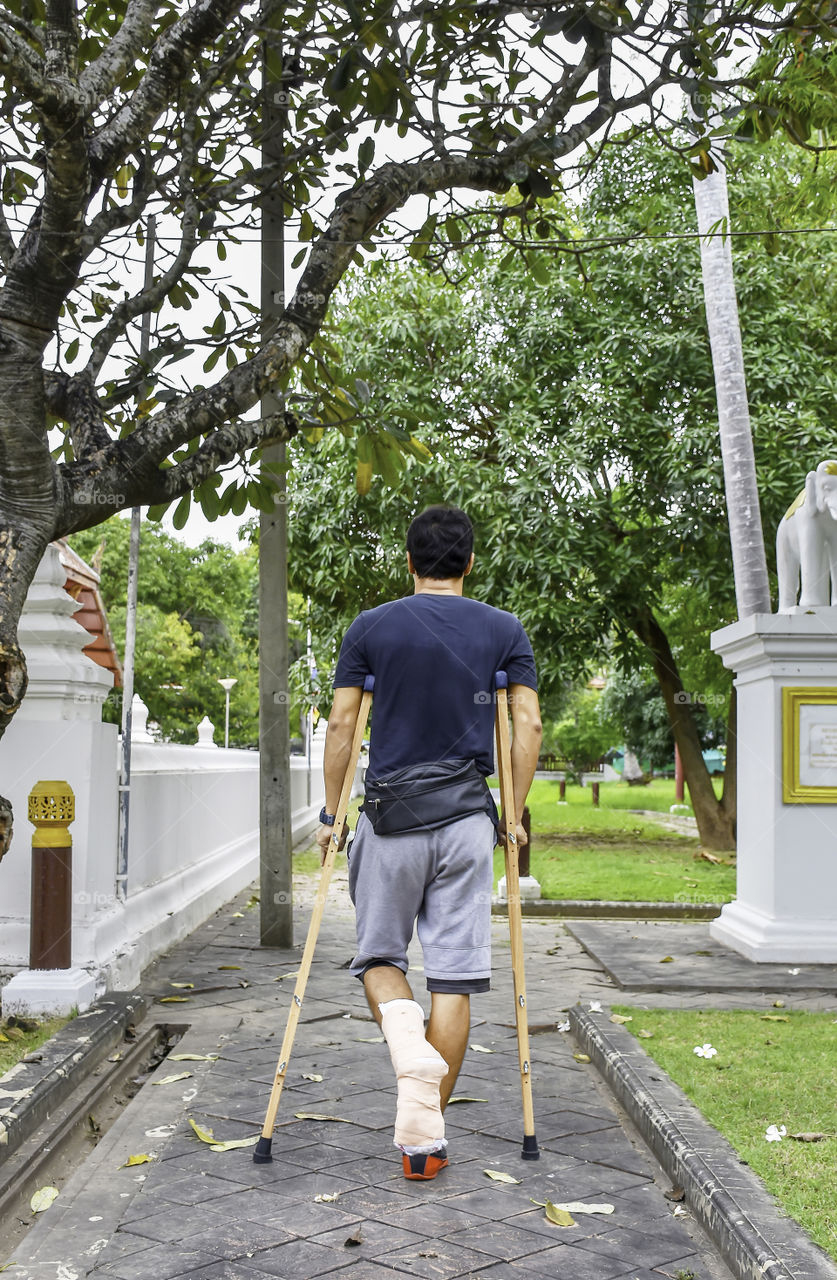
(424, 1167)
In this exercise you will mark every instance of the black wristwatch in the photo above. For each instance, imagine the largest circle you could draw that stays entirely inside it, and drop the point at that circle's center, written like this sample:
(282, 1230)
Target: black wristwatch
(327, 819)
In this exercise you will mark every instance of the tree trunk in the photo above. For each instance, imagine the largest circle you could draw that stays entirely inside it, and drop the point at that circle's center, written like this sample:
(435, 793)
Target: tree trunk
(716, 824)
(749, 563)
(729, 795)
(27, 513)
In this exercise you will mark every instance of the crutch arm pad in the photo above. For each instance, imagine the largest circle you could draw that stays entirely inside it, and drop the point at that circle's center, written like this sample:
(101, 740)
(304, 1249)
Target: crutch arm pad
(501, 680)
(368, 684)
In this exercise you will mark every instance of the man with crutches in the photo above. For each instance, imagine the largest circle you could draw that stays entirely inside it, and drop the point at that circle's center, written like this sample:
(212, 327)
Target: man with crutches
(422, 853)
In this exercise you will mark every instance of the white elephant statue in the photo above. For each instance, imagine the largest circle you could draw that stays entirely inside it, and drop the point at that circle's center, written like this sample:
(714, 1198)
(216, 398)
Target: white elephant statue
(806, 543)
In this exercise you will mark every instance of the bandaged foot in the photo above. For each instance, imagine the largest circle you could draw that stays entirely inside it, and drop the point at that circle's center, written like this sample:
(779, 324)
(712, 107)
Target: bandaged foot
(419, 1069)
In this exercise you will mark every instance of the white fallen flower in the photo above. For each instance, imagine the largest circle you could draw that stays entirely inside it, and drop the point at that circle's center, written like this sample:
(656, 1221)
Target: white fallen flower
(595, 1006)
(775, 1133)
(794, 972)
(705, 1051)
(564, 1026)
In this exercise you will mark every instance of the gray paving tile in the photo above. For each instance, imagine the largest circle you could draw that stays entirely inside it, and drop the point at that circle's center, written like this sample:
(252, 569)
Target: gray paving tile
(301, 1260)
(377, 1238)
(434, 1219)
(231, 1240)
(641, 1247)
(160, 1262)
(228, 1271)
(306, 1218)
(438, 1260)
(501, 1240)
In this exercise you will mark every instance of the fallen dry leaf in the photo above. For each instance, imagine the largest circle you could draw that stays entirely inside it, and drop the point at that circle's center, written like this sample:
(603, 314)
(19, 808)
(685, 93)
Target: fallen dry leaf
(645, 1035)
(496, 1176)
(205, 1135)
(555, 1214)
(620, 1019)
(228, 966)
(234, 1143)
(775, 1017)
(679, 1211)
(778, 1004)
(237, 915)
(193, 1057)
(282, 976)
(142, 1158)
(808, 1137)
(478, 1048)
(581, 1057)
(315, 1115)
(327, 1199)
(676, 1194)
(461, 1098)
(42, 1199)
(353, 1240)
(316, 1079)
(174, 1000)
(183, 1075)
(115, 1057)
(185, 985)
(667, 960)
(370, 1039)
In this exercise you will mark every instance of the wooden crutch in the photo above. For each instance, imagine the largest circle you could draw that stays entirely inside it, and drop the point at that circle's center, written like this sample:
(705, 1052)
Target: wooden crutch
(530, 1143)
(262, 1153)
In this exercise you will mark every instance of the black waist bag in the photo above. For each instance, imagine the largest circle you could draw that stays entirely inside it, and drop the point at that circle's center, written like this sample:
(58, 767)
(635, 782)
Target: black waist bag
(426, 796)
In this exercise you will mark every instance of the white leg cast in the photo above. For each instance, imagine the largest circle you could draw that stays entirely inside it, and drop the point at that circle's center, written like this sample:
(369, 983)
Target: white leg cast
(419, 1069)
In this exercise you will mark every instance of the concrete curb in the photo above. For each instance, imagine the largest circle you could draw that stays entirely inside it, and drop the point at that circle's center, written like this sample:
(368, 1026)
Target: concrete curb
(30, 1091)
(580, 907)
(728, 1199)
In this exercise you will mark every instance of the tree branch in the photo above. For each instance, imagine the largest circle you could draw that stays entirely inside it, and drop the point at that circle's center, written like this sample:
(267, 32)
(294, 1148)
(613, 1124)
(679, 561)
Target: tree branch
(171, 59)
(102, 76)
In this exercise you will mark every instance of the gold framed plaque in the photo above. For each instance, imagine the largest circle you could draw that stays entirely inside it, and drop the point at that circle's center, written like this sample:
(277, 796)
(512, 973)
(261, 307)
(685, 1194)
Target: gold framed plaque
(809, 745)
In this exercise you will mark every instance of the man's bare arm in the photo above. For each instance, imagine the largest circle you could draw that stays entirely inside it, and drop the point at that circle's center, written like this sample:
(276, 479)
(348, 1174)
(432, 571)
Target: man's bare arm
(338, 748)
(526, 743)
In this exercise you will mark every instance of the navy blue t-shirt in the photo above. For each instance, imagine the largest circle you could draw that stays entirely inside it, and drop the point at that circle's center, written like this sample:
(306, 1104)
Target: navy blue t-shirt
(433, 658)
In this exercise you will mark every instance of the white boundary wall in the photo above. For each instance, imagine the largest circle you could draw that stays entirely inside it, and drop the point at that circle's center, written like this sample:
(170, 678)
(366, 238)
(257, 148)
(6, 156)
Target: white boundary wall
(194, 839)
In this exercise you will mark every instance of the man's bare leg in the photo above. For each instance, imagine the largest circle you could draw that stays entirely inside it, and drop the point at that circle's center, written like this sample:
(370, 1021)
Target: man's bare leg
(447, 1031)
(385, 982)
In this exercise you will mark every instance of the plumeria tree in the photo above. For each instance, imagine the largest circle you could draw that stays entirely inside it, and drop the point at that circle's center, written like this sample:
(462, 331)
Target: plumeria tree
(572, 412)
(113, 112)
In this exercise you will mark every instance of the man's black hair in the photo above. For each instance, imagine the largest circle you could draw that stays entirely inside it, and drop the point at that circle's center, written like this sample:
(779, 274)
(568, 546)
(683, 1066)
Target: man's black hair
(440, 541)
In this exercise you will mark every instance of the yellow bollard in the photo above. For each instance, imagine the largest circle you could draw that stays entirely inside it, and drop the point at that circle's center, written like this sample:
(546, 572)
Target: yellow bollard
(52, 807)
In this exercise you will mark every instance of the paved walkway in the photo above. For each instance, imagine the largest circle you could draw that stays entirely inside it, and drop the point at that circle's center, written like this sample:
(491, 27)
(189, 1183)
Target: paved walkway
(334, 1197)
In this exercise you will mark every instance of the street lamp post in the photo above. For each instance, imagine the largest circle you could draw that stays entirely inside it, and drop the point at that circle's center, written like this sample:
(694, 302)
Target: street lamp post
(226, 684)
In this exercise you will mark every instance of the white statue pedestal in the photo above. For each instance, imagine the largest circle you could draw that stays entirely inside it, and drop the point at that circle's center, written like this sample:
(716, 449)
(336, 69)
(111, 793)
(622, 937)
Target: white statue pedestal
(530, 890)
(48, 993)
(786, 904)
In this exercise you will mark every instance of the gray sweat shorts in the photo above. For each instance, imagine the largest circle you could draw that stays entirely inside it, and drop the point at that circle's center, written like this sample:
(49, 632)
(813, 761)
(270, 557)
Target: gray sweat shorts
(438, 881)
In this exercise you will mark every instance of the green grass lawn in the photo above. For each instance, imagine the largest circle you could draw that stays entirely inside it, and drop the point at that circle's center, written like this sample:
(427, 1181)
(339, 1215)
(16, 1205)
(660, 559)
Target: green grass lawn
(15, 1044)
(765, 1073)
(611, 854)
(605, 854)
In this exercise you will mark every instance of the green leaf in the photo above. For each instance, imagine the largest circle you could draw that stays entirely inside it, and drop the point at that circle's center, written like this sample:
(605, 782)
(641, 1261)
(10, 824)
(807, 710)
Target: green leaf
(366, 153)
(181, 511)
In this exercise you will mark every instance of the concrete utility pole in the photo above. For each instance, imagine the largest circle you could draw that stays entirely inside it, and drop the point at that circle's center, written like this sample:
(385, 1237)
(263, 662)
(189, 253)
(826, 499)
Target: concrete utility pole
(274, 734)
(131, 614)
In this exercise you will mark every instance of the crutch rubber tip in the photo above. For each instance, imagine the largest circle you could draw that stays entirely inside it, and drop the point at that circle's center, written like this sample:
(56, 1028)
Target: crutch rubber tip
(530, 1147)
(262, 1155)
